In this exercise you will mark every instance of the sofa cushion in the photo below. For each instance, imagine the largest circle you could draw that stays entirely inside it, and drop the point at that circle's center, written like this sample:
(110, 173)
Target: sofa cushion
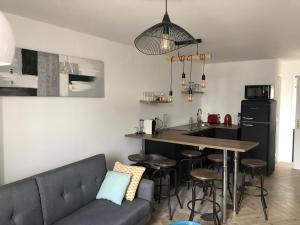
(137, 173)
(66, 189)
(114, 187)
(20, 203)
(104, 212)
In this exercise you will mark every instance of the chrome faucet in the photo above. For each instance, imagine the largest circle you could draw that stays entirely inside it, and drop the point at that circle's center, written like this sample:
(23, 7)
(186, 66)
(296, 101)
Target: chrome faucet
(199, 117)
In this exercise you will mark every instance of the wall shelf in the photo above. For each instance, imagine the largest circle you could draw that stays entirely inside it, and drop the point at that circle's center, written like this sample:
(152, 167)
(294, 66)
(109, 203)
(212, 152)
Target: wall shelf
(153, 102)
(194, 92)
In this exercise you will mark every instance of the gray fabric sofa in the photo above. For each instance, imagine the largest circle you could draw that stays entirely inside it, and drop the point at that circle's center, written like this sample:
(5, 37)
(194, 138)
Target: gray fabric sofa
(66, 196)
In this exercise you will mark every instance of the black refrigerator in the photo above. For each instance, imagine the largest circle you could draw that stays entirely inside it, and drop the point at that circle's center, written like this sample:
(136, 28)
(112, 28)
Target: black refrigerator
(258, 123)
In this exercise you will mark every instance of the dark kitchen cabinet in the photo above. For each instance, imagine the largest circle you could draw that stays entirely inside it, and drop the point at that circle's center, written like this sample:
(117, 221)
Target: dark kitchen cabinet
(204, 133)
(223, 133)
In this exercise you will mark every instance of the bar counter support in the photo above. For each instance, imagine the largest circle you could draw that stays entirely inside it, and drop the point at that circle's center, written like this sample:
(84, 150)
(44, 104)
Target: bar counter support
(225, 179)
(235, 178)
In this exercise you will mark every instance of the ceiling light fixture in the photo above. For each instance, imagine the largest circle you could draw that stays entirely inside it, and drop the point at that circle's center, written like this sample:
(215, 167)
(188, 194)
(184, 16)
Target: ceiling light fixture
(171, 82)
(203, 79)
(164, 37)
(7, 42)
(190, 96)
(183, 80)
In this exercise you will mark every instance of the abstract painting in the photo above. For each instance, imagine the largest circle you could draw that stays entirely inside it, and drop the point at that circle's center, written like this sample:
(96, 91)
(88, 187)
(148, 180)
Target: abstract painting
(35, 73)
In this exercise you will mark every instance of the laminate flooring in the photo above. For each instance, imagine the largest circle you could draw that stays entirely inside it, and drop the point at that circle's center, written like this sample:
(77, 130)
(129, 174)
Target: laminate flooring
(283, 203)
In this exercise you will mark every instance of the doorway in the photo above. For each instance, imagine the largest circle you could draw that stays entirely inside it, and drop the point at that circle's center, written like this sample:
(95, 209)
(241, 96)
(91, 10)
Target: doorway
(296, 124)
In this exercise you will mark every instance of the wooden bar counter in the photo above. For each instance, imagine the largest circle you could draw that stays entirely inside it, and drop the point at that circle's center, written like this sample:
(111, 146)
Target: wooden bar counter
(192, 136)
(175, 136)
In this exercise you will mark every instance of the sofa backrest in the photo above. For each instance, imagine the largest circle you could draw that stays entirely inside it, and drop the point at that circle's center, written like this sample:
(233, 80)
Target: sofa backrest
(71, 187)
(20, 203)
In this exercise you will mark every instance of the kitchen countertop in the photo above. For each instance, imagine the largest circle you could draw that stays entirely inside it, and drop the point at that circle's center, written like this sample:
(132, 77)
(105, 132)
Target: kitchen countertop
(180, 135)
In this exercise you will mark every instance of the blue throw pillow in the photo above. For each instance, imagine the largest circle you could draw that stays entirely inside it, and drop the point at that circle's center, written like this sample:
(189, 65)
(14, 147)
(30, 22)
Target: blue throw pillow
(114, 187)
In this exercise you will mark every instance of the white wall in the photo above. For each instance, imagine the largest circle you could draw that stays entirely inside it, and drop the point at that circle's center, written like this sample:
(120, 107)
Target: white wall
(43, 133)
(288, 69)
(1, 147)
(226, 81)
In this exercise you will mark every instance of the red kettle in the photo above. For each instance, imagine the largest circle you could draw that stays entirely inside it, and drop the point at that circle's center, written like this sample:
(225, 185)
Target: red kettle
(227, 120)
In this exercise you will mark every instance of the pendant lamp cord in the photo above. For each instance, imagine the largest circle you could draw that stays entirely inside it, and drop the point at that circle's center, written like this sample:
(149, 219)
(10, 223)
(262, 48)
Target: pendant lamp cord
(171, 83)
(203, 64)
(166, 6)
(182, 59)
(191, 56)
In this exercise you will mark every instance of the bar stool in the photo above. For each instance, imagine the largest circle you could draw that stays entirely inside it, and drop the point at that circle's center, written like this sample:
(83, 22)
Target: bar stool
(190, 156)
(217, 163)
(138, 159)
(166, 167)
(204, 178)
(256, 167)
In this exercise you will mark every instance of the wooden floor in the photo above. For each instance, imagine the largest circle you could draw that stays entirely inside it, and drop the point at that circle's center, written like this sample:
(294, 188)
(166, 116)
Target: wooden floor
(283, 203)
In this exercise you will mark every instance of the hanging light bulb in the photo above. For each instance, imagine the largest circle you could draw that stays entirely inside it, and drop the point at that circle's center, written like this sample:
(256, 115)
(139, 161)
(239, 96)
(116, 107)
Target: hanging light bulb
(165, 44)
(170, 98)
(203, 82)
(183, 80)
(203, 79)
(182, 59)
(190, 96)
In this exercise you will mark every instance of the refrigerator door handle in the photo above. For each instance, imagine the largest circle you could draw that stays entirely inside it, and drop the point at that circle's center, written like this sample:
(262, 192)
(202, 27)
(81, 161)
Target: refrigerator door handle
(248, 125)
(247, 118)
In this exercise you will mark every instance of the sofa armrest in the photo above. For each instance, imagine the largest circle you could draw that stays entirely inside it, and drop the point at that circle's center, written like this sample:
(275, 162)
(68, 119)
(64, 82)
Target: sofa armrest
(146, 190)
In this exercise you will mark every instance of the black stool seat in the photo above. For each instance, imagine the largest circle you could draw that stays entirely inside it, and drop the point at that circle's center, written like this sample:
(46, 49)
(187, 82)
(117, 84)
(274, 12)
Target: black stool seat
(191, 153)
(204, 174)
(253, 163)
(138, 158)
(164, 163)
(217, 158)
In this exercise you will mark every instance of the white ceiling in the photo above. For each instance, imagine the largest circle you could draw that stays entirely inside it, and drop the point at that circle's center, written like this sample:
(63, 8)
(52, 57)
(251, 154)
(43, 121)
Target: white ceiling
(230, 29)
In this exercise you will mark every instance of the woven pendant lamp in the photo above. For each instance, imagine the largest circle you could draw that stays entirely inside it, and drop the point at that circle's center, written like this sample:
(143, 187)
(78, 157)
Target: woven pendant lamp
(163, 37)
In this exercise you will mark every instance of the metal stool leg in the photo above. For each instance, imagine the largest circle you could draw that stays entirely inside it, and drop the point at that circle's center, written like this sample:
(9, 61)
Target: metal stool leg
(160, 186)
(215, 214)
(263, 201)
(169, 198)
(190, 169)
(242, 191)
(205, 190)
(229, 189)
(176, 188)
(193, 201)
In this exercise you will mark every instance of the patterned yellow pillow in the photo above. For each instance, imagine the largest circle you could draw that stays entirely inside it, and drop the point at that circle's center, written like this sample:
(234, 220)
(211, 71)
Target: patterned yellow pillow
(137, 173)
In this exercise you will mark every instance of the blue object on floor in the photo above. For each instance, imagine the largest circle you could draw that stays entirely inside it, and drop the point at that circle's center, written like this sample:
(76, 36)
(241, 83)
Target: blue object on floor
(185, 223)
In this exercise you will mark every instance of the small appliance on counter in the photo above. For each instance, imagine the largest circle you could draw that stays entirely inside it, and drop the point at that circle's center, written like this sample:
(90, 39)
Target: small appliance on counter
(213, 118)
(227, 120)
(259, 92)
(150, 126)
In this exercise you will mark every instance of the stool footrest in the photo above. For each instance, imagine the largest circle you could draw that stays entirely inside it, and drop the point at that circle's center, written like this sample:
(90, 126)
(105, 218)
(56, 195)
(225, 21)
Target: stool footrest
(265, 192)
(203, 200)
